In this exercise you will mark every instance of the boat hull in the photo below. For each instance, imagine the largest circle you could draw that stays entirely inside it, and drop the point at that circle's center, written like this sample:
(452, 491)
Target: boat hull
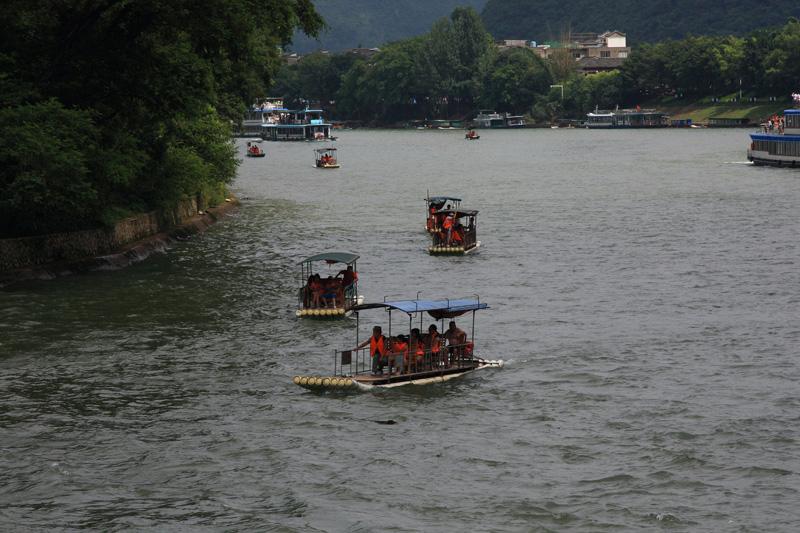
(257, 155)
(328, 313)
(367, 382)
(453, 250)
(766, 159)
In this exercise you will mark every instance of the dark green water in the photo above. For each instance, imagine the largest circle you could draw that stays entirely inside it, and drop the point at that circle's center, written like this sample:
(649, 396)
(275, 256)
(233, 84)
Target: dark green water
(644, 291)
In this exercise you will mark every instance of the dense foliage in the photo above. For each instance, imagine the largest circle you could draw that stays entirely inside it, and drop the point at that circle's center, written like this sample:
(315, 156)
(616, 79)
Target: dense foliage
(448, 72)
(107, 107)
(651, 21)
(763, 64)
(371, 23)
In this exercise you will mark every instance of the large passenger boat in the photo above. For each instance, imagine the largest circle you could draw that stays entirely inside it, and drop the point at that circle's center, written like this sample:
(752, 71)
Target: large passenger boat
(626, 118)
(387, 360)
(333, 296)
(491, 119)
(273, 122)
(779, 145)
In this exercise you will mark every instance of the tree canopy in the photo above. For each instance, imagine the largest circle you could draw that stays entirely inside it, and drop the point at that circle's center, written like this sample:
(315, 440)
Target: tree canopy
(110, 106)
(651, 21)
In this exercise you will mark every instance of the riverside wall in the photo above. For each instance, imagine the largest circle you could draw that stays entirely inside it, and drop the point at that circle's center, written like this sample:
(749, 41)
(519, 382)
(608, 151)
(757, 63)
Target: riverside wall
(128, 240)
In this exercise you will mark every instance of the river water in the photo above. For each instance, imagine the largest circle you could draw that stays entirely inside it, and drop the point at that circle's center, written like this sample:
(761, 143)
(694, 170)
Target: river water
(644, 292)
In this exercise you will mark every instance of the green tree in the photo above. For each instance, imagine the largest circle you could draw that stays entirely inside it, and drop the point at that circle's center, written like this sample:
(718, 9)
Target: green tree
(514, 81)
(143, 74)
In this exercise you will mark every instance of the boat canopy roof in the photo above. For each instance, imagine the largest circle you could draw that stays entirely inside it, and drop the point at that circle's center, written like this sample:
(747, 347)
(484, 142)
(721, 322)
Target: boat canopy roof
(791, 112)
(332, 257)
(323, 150)
(442, 199)
(435, 308)
(458, 213)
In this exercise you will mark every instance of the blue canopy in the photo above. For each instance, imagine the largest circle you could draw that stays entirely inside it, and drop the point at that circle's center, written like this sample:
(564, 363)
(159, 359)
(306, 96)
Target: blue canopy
(332, 257)
(442, 199)
(444, 308)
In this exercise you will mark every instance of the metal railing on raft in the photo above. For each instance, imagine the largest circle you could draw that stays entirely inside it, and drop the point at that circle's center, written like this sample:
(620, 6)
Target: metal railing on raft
(353, 362)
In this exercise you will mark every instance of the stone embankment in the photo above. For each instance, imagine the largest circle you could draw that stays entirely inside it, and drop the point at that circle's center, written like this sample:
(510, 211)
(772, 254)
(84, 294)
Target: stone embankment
(129, 241)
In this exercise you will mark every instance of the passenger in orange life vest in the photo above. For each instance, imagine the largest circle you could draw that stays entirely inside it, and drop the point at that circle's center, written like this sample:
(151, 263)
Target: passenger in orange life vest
(457, 234)
(400, 351)
(416, 347)
(377, 349)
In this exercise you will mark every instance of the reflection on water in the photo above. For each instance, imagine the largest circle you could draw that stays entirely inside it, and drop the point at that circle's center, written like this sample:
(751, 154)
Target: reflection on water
(643, 289)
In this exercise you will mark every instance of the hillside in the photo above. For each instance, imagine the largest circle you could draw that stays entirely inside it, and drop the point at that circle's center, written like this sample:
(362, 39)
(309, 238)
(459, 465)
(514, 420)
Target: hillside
(371, 23)
(650, 21)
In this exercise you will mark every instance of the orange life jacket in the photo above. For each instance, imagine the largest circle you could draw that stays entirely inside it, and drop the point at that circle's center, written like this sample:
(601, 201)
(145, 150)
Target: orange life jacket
(376, 346)
(435, 344)
(448, 223)
(401, 347)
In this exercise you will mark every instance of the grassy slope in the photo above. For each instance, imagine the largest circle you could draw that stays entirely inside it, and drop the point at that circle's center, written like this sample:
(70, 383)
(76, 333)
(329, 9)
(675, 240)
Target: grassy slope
(701, 110)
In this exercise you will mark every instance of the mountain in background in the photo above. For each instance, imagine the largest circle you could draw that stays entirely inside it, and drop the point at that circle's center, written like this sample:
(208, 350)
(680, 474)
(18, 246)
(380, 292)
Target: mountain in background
(642, 21)
(372, 23)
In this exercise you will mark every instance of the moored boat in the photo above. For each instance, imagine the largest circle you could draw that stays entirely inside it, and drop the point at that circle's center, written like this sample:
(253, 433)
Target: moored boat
(326, 158)
(330, 297)
(389, 361)
(626, 118)
(779, 142)
(487, 118)
(434, 204)
(472, 136)
(456, 234)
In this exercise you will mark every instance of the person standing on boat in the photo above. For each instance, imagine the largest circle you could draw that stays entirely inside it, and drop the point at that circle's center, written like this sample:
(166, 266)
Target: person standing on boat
(433, 345)
(416, 348)
(377, 349)
(349, 277)
(447, 228)
(456, 340)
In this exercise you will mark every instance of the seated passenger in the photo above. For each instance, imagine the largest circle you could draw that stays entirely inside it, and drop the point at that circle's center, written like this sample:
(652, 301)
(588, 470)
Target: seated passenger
(399, 357)
(416, 350)
(329, 286)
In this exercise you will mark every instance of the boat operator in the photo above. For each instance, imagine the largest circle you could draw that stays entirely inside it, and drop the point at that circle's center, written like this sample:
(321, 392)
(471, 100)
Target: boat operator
(377, 349)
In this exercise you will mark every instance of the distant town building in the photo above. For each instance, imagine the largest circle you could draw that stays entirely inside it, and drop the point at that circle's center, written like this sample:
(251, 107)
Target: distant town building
(593, 52)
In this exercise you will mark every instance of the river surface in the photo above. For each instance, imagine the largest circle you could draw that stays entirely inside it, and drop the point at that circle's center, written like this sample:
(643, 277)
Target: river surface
(645, 295)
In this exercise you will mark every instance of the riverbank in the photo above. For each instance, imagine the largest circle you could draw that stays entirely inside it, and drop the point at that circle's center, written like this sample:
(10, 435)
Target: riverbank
(721, 113)
(131, 240)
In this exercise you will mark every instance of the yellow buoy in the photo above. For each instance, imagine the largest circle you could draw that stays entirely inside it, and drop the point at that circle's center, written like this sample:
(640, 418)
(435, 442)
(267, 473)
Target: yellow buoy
(303, 380)
(326, 382)
(296, 380)
(348, 382)
(298, 313)
(341, 311)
